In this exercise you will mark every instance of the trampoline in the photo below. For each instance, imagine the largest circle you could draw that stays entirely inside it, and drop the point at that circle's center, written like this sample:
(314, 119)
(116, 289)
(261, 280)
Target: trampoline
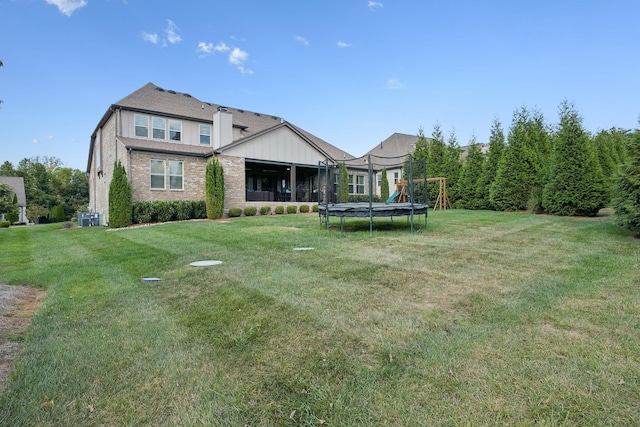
(396, 205)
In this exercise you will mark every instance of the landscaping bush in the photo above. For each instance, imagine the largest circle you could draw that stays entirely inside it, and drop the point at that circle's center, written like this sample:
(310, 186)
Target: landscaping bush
(304, 208)
(235, 212)
(143, 212)
(265, 210)
(279, 210)
(250, 210)
(183, 210)
(12, 217)
(165, 211)
(291, 209)
(361, 198)
(57, 213)
(4, 224)
(315, 208)
(199, 209)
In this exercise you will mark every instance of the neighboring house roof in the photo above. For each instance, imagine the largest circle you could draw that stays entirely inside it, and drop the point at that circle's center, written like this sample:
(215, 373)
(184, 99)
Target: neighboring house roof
(393, 150)
(152, 99)
(17, 183)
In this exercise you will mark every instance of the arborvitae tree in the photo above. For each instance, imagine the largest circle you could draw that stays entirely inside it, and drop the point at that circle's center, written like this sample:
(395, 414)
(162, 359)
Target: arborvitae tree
(490, 166)
(343, 187)
(453, 165)
(540, 148)
(576, 185)
(626, 193)
(469, 176)
(57, 213)
(611, 154)
(516, 175)
(120, 198)
(214, 189)
(384, 185)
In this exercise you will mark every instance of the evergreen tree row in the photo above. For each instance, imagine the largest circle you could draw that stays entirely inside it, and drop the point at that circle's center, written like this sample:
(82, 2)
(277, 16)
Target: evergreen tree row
(562, 169)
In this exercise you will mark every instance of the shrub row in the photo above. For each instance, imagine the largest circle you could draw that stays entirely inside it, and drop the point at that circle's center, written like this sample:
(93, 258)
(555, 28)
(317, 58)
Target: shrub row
(5, 224)
(163, 211)
(266, 210)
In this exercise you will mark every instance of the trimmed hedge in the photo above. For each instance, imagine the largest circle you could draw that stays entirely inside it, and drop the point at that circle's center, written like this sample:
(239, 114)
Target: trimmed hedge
(4, 224)
(235, 212)
(250, 211)
(304, 208)
(162, 211)
(279, 210)
(265, 210)
(314, 208)
(291, 209)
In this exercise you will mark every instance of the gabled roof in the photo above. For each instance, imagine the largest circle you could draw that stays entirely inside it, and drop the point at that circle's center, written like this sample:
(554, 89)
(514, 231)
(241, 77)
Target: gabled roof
(393, 150)
(152, 99)
(17, 183)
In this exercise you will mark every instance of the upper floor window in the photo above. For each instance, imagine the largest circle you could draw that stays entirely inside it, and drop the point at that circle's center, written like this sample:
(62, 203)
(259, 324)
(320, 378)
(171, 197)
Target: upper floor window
(156, 169)
(142, 125)
(159, 128)
(205, 134)
(350, 184)
(175, 130)
(360, 184)
(176, 174)
(396, 177)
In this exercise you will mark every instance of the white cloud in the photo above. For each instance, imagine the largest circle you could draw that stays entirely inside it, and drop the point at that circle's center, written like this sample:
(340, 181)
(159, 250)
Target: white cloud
(374, 5)
(238, 57)
(205, 48)
(150, 37)
(35, 141)
(343, 44)
(67, 7)
(49, 136)
(394, 84)
(302, 40)
(221, 47)
(172, 32)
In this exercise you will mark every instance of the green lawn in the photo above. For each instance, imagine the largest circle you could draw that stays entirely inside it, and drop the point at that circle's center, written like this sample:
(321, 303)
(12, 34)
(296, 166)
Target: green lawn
(482, 319)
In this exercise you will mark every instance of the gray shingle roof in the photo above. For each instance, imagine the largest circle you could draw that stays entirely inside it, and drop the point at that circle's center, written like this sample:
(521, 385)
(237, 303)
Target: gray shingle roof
(393, 150)
(153, 99)
(17, 183)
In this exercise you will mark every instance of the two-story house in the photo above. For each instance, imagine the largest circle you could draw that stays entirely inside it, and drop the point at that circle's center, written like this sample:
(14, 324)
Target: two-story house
(164, 139)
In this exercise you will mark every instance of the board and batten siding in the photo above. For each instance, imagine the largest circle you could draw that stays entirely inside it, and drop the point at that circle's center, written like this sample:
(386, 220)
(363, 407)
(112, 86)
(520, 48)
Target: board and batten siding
(281, 145)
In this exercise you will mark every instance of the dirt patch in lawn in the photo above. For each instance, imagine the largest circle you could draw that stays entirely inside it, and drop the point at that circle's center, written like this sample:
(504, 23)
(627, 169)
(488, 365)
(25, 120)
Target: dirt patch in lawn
(18, 304)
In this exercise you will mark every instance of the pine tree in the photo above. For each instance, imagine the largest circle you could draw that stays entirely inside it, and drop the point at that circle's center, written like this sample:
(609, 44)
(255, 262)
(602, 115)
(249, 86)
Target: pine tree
(516, 174)
(490, 166)
(453, 166)
(470, 175)
(120, 198)
(384, 185)
(611, 154)
(576, 185)
(214, 189)
(626, 193)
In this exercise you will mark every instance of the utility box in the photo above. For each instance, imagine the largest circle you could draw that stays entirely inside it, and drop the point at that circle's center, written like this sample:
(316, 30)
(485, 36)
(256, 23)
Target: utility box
(88, 219)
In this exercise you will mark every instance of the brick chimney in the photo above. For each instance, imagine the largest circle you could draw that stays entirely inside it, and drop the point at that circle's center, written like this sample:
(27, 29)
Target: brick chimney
(222, 128)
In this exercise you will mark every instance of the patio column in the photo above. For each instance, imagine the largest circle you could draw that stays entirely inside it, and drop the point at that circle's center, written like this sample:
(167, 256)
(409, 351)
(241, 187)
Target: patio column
(292, 180)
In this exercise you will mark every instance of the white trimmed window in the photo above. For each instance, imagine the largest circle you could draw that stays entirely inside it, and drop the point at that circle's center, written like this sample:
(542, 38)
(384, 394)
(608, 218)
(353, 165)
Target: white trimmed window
(142, 125)
(176, 175)
(159, 127)
(360, 184)
(205, 134)
(175, 130)
(156, 173)
(350, 184)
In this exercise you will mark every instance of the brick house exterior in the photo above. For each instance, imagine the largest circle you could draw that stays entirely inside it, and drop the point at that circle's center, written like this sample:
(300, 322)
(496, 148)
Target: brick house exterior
(164, 139)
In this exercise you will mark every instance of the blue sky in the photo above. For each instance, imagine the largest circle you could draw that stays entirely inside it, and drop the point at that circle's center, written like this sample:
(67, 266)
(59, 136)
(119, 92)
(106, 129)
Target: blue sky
(352, 72)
